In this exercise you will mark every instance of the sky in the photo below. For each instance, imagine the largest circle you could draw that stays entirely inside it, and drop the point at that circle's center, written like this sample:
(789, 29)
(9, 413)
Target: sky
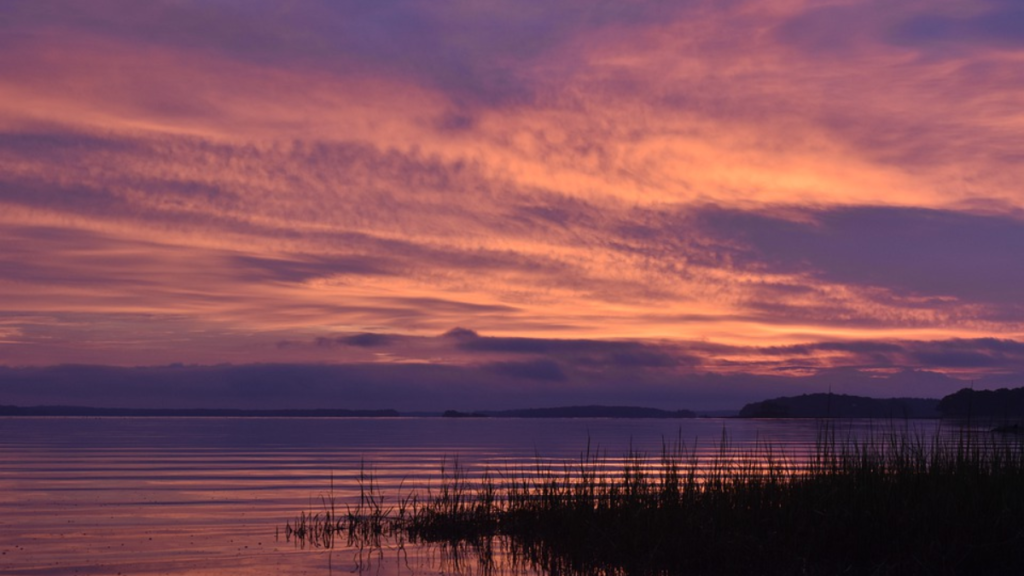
(507, 203)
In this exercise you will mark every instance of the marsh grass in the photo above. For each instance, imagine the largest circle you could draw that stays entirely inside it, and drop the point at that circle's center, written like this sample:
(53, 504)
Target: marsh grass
(895, 503)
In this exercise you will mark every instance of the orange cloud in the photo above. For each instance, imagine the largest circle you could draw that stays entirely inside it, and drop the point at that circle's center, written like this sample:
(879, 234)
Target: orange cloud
(746, 174)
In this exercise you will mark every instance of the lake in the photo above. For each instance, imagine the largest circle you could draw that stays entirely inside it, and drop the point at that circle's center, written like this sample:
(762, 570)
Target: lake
(212, 495)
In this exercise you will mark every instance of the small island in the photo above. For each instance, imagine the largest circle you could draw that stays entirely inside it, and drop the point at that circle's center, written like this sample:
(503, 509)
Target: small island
(576, 412)
(193, 412)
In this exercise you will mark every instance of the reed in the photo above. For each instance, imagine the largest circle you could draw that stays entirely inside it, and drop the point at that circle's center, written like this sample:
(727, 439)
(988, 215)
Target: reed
(895, 503)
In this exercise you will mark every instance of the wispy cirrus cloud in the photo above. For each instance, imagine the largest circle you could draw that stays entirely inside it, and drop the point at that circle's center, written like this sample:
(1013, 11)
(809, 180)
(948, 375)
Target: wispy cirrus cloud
(595, 187)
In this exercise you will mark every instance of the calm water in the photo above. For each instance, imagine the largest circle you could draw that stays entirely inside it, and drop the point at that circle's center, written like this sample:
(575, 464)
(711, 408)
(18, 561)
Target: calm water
(207, 495)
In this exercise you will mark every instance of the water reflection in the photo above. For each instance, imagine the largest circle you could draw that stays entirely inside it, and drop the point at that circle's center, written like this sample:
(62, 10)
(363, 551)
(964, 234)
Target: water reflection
(205, 495)
(492, 556)
(873, 504)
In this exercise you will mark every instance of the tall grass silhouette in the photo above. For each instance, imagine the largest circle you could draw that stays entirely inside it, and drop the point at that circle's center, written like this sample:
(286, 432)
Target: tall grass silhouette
(894, 503)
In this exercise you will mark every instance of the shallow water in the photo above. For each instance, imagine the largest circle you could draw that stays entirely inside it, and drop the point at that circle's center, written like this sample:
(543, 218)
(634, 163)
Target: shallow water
(209, 495)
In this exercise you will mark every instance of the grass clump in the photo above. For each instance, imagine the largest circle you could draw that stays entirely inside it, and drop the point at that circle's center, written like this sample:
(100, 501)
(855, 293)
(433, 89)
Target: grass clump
(896, 503)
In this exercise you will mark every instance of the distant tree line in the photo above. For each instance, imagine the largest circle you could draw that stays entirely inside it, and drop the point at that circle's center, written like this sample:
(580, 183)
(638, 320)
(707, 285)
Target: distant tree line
(192, 412)
(575, 412)
(1001, 404)
(826, 405)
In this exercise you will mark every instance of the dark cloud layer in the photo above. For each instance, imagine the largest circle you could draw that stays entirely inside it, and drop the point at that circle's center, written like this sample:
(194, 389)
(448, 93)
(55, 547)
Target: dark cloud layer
(366, 340)
(479, 53)
(983, 355)
(546, 345)
(413, 388)
(926, 252)
(998, 24)
(303, 268)
(581, 361)
(843, 28)
(530, 370)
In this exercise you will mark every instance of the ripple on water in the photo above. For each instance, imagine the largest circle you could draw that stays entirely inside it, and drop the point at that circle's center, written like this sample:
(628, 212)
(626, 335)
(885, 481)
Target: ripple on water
(205, 495)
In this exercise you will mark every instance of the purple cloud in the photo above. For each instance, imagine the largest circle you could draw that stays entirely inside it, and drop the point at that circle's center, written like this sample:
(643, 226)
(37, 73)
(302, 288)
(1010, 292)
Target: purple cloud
(593, 186)
(996, 24)
(425, 387)
(906, 250)
(545, 370)
(478, 54)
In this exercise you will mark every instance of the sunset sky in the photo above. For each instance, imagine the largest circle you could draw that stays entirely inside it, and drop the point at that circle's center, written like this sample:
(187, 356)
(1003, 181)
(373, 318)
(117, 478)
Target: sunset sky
(507, 203)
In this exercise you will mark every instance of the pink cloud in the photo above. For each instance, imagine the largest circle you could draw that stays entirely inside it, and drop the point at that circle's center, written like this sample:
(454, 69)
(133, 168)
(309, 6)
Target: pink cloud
(200, 182)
